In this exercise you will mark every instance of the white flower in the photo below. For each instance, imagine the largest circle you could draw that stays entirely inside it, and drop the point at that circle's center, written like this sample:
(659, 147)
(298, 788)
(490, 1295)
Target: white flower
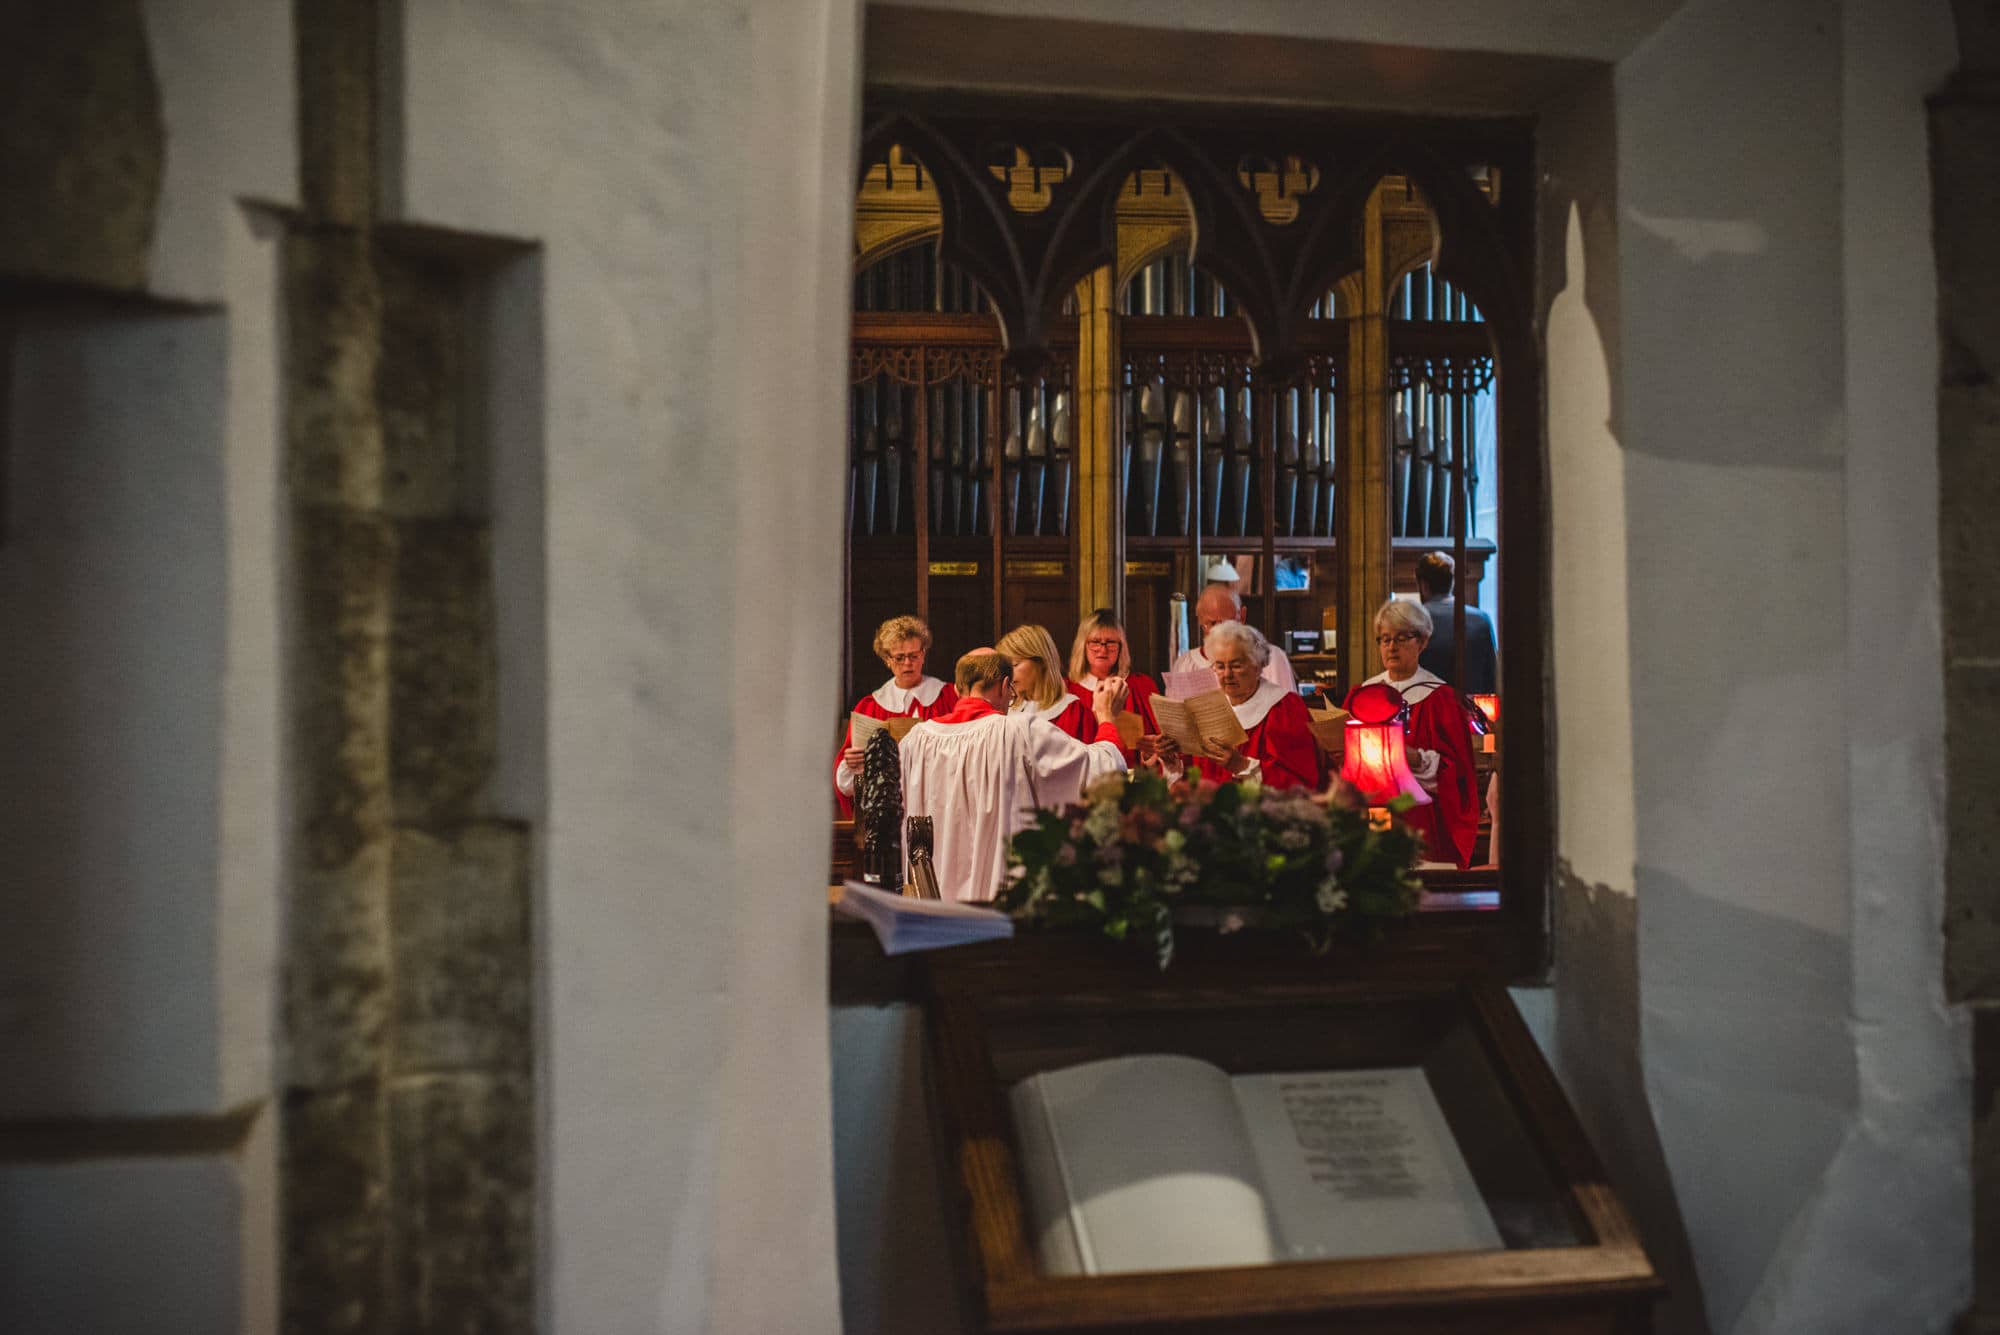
(1332, 899)
(1102, 823)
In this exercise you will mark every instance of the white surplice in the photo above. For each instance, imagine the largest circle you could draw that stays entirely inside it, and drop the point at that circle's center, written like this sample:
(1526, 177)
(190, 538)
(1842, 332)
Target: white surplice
(979, 780)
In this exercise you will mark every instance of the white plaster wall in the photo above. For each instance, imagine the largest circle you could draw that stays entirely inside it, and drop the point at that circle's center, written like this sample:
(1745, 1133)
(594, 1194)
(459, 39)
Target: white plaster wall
(686, 171)
(139, 594)
(113, 590)
(1774, 358)
(225, 70)
(1583, 28)
(121, 1247)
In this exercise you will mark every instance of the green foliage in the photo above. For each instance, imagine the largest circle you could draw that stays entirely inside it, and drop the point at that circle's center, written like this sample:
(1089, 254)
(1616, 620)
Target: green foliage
(1135, 849)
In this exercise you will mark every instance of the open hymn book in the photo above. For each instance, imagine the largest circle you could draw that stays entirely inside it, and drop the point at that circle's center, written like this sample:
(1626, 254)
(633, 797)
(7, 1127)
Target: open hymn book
(1204, 717)
(1164, 1162)
(863, 727)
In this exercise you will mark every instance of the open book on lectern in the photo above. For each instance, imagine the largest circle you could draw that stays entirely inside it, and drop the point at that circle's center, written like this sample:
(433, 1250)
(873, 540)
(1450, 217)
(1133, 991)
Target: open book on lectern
(1165, 1162)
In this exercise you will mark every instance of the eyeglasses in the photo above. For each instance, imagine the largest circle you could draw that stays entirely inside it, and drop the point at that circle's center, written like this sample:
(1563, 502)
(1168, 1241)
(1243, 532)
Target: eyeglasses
(1105, 644)
(916, 657)
(1400, 637)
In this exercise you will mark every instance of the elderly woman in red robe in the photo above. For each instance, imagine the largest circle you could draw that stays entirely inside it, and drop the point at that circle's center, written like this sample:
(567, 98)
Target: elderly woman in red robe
(1438, 735)
(1279, 751)
(901, 643)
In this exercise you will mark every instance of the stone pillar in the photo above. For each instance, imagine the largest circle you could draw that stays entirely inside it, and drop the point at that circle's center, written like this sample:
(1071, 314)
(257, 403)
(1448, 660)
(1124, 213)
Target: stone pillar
(1965, 184)
(408, 1136)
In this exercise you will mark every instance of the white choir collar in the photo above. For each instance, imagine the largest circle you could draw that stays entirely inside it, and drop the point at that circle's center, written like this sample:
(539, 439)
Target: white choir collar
(1414, 688)
(897, 700)
(1029, 709)
(1252, 711)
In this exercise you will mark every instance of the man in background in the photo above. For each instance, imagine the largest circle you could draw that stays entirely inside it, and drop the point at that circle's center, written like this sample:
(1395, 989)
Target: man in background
(1482, 656)
(1218, 603)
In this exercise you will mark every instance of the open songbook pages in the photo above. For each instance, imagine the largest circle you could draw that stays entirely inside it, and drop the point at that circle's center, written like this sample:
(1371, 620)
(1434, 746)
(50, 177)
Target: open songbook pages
(863, 727)
(903, 924)
(1203, 717)
(1164, 1162)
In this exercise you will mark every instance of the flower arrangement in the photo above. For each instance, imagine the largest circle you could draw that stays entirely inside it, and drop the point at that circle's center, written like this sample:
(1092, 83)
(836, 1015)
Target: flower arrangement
(1136, 849)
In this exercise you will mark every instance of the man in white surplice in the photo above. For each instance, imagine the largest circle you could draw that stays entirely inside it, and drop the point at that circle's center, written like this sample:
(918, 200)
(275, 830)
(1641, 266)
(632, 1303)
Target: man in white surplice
(978, 771)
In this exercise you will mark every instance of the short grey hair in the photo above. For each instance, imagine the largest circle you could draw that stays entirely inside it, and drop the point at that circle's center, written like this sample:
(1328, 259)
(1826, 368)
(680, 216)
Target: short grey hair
(1400, 614)
(1247, 638)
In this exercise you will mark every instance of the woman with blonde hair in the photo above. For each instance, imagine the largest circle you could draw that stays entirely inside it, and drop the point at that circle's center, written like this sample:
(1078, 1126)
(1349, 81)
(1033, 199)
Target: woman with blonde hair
(1102, 652)
(1039, 686)
(901, 643)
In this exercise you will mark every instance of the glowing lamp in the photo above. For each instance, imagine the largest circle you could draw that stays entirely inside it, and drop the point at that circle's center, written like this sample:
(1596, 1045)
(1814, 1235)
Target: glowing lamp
(1488, 705)
(1374, 762)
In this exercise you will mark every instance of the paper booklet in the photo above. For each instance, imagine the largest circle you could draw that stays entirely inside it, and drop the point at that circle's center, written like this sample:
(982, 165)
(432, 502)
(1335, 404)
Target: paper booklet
(1182, 685)
(1327, 727)
(1164, 1162)
(863, 728)
(1189, 721)
(903, 924)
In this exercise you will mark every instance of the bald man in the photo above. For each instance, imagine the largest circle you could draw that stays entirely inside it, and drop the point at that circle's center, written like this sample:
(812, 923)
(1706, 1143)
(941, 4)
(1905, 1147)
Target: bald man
(1217, 604)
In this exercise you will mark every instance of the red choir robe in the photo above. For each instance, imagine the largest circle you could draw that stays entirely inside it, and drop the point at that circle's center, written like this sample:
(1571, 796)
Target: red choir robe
(929, 698)
(1069, 715)
(1139, 695)
(1450, 824)
(1281, 742)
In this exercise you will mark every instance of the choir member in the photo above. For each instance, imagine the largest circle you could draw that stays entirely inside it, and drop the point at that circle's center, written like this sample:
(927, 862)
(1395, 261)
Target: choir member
(1438, 734)
(1280, 751)
(979, 771)
(1101, 652)
(1218, 603)
(901, 643)
(1039, 688)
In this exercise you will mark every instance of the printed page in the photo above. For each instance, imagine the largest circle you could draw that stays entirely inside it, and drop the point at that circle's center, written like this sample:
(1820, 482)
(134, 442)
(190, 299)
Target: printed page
(860, 728)
(1217, 721)
(1361, 1163)
(1138, 1163)
(899, 728)
(1184, 685)
(1176, 722)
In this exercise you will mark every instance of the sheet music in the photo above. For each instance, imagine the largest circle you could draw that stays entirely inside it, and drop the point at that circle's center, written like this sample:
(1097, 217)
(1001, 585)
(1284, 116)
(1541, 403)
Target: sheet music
(1217, 719)
(1185, 685)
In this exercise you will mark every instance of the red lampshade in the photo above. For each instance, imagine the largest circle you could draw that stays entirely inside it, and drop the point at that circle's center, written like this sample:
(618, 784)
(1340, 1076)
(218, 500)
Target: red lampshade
(1489, 705)
(1374, 762)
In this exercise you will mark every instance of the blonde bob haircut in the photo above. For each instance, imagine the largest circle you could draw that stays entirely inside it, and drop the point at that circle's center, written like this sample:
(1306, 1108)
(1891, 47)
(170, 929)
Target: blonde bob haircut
(1400, 614)
(1102, 619)
(897, 629)
(1034, 644)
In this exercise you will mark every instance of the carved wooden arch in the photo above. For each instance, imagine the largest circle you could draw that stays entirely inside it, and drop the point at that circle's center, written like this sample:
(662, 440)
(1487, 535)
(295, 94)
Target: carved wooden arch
(893, 243)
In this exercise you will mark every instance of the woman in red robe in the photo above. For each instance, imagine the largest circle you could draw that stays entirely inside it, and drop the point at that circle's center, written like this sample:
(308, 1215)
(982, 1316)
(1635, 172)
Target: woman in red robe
(1038, 682)
(901, 643)
(1102, 652)
(1280, 752)
(1438, 736)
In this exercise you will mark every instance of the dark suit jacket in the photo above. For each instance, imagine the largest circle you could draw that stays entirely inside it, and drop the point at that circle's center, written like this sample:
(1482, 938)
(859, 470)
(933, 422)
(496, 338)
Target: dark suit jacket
(1482, 657)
